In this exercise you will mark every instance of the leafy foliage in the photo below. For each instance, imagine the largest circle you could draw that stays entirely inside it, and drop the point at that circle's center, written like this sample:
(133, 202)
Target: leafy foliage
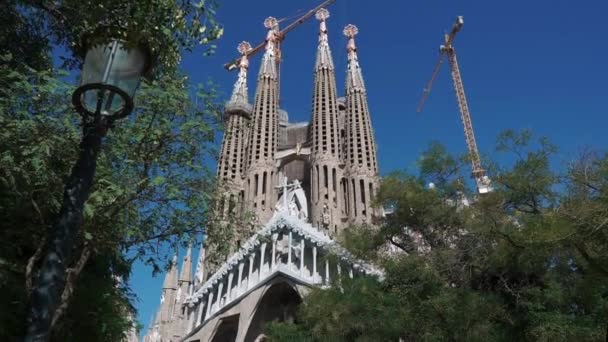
(526, 262)
(167, 27)
(152, 188)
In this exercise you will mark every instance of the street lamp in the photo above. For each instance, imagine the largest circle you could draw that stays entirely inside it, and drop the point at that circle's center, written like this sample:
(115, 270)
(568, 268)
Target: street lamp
(110, 76)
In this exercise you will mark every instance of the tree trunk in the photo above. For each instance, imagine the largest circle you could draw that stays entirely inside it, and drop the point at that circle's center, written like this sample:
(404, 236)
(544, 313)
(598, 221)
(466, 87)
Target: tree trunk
(46, 295)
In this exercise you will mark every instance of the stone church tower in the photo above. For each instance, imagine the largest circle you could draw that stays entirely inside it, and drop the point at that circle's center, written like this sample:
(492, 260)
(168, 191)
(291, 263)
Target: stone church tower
(303, 183)
(332, 158)
(263, 141)
(171, 316)
(327, 164)
(231, 164)
(359, 141)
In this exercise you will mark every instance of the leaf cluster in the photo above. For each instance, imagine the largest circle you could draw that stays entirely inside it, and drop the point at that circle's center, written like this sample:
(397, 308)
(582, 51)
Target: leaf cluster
(166, 27)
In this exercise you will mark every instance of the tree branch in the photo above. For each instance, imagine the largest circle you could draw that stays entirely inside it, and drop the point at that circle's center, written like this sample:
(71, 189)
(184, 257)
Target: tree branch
(598, 266)
(403, 247)
(30, 265)
(68, 290)
(49, 8)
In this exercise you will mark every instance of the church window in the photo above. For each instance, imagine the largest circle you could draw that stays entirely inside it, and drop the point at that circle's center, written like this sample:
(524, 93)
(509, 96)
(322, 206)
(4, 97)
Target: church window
(333, 175)
(362, 187)
(345, 193)
(354, 198)
(318, 183)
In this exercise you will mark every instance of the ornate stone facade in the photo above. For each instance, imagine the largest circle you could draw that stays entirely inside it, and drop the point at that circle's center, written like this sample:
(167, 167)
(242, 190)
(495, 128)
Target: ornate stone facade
(303, 182)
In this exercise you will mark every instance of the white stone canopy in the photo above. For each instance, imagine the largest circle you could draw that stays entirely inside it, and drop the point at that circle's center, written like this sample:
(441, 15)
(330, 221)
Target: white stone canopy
(285, 245)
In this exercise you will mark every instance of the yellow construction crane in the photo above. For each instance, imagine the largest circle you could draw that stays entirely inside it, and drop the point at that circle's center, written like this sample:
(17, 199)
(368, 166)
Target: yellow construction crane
(482, 181)
(233, 65)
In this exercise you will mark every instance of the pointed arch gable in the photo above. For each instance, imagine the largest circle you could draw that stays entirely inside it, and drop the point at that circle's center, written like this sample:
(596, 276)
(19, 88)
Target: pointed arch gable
(278, 303)
(227, 329)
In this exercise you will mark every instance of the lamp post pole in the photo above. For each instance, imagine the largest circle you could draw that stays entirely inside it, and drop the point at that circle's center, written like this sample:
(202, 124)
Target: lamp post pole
(96, 100)
(46, 296)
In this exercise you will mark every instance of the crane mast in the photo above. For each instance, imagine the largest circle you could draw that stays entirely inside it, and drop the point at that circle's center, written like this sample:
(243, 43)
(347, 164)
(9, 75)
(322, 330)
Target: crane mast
(482, 181)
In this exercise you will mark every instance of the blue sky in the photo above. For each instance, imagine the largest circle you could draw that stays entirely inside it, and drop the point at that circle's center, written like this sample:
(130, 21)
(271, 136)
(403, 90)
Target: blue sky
(535, 65)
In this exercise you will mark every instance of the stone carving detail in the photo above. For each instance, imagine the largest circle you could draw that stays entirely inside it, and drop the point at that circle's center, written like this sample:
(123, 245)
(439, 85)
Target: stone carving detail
(293, 199)
(326, 218)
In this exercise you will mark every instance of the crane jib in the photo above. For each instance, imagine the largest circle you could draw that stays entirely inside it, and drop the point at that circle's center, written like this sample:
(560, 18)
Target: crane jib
(232, 65)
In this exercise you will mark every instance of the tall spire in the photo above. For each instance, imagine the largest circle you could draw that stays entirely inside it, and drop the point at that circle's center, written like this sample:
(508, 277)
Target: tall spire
(167, 300)
(240, 99)
(360, 148)
(237, 113)
(186, 275)
(354, 77)
(326, 160)
(232, 160)
(171, 276)
(324, 59)
(269, 61)
(263, 139)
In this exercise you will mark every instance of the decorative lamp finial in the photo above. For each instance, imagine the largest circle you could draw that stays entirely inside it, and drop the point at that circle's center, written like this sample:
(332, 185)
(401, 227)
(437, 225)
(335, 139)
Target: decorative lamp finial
(322, 14)
(239, 101)
(351, 31)
(271, 23)
(244, 47)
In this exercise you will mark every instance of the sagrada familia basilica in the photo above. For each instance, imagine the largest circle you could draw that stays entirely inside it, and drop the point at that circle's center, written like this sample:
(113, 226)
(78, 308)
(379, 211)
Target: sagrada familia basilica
(303, 183)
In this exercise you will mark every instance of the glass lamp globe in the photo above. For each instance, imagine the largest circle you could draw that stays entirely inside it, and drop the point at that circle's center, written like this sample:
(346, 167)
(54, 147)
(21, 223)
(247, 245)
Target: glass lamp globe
(110, 76)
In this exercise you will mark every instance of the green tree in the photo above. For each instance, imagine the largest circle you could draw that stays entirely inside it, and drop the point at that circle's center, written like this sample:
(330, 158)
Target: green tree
(525, 262)
(152, 188)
